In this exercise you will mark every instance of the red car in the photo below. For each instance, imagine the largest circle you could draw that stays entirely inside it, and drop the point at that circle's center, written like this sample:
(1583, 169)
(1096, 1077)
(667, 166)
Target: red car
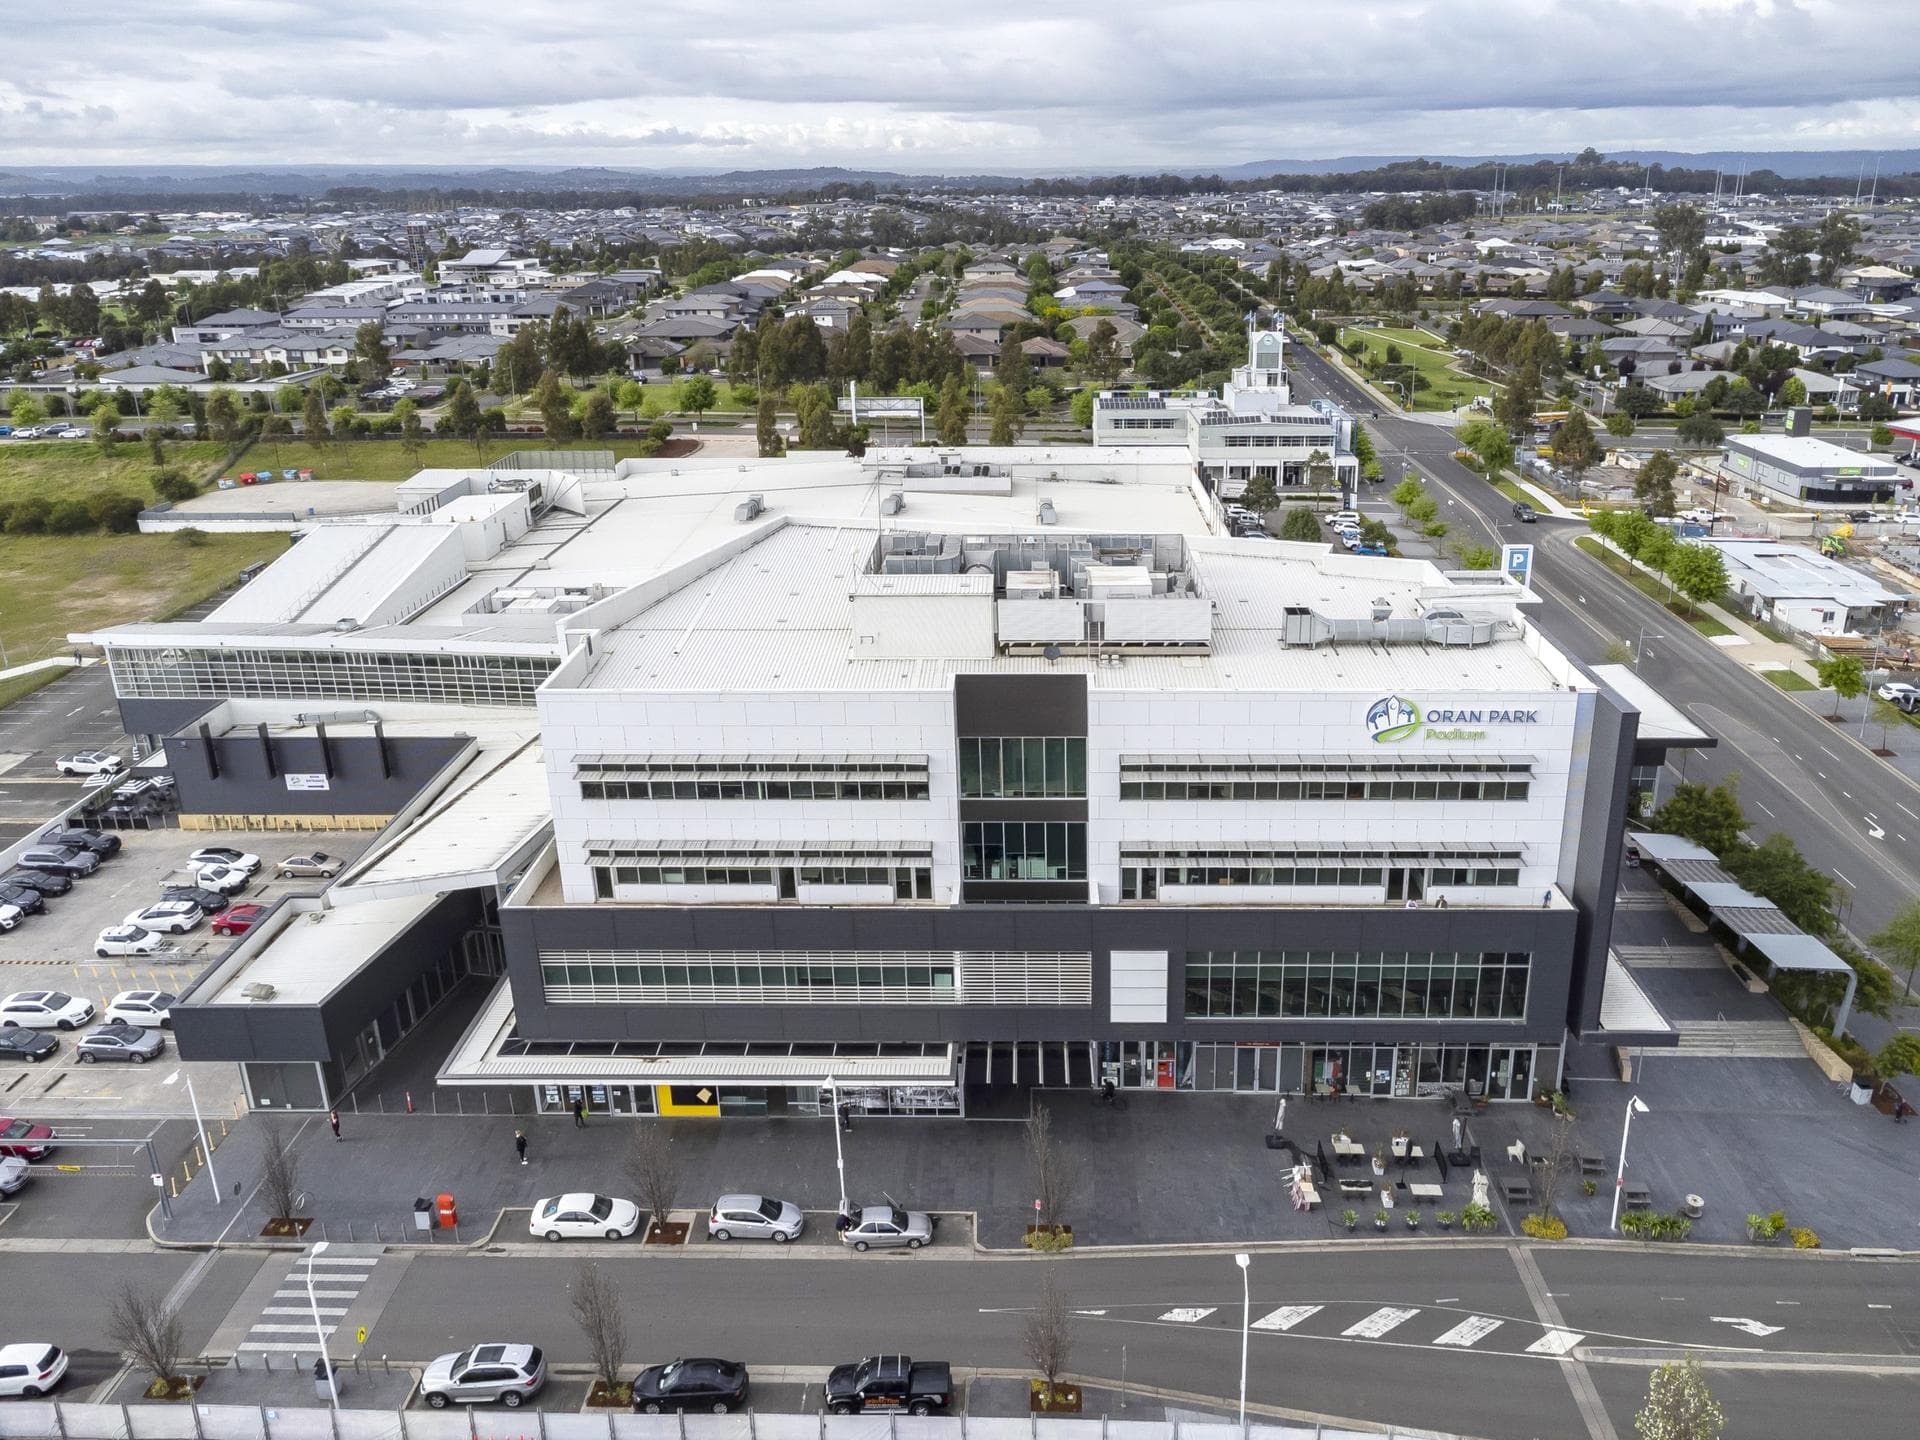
(25, 1139)
(237, 919)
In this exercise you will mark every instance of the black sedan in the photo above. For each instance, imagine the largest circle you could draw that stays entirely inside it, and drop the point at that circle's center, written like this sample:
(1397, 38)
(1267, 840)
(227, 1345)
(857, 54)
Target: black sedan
(716, 1386)
(32, 1046)
(27, 902)
(212, 902)
(44, 881)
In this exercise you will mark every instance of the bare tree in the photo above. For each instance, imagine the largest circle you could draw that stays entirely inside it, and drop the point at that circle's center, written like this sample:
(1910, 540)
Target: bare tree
(279, 1174)
(1557, 1163)
(1056, 1173)
(596, 1310)
(1050, 1331)
(653, 1170)
(146, 1330)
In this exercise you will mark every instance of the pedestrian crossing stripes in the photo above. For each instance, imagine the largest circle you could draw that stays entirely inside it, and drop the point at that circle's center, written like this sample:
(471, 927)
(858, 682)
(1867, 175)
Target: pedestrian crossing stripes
(1470, 1331)
(1555, 1342)
(286, 1323)
(1287, 1316)
(1461, 1332)
(1386, 1318)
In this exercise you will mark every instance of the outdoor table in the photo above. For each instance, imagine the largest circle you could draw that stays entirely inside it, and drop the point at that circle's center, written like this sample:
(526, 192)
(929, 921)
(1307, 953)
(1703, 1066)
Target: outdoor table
(1592, 1165)
(1635, 1196)
(1425, 1192)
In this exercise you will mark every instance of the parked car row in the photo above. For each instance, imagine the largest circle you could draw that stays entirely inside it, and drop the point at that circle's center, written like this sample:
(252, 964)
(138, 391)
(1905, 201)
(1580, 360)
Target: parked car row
(511, 1374)
(48, 868)
(131, 1032)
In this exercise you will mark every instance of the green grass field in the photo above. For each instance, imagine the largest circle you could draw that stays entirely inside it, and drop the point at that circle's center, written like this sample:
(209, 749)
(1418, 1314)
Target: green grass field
(59, 469)
(1789, 680)
(21, 686)
(51, 585)
(1447, 388)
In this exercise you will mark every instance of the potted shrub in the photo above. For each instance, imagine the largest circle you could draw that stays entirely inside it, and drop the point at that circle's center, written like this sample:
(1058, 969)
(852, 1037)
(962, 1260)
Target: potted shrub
(1589, 1187)
(1350, 1218)
(1765, 1229)
(1445, 1218)
(1379, 1161)
(1400, 1142)
(1476, 1217)
(1413, 1219)
(1380, 1218)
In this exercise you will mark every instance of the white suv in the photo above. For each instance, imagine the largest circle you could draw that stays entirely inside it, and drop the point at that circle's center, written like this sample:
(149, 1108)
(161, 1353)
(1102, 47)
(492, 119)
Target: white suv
(45, 1010)
(169, 917)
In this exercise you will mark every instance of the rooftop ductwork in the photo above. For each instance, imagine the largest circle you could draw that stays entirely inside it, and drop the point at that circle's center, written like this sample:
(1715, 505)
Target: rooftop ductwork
(893, 504)
(749, 508)
(1046, 514)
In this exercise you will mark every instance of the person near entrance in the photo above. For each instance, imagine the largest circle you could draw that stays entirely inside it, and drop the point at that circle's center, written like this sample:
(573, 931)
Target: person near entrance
(333, 1123)
(520, 1145)
(580, 1113)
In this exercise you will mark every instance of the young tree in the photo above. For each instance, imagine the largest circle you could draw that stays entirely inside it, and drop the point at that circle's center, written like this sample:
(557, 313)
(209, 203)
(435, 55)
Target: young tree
(653, 1170)
(279, 1173)
(104, 420)
(1776, 869)
(413, 437)
(766, 426)
(313, 420)
(1899, 1056)
(595, 1301)
(275, 429)
(1899, 943)
(1080, 408)
(370, 352)
(1477, 557)
(1709, 816)
(1844, 675)
(1298, 524)
(1054, 1171)
(147, 1332)
(556, 409)
(1793, 391)
(462, 416)
(813, 408)
(1103, 353)
(1049, 1332)
(223, 416)
(1261, 496)
(343, 417)
(598, 418)
(695, 395)
(1679, 1405)
(1012, 369)
(950, 422)
(1698, 572)
(1008, 421)
(1653, 482)
(1703, 432)
(1575, 446)
(1620, 424)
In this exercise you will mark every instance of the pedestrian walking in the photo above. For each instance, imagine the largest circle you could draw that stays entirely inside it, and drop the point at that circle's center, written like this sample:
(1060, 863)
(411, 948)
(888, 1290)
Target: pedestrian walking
(1901, 1109)
(333, 1123)
(580, 1113)
(520, 1145)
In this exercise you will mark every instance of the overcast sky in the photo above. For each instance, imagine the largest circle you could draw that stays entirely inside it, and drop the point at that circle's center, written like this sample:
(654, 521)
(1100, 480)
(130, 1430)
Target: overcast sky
(981, 85)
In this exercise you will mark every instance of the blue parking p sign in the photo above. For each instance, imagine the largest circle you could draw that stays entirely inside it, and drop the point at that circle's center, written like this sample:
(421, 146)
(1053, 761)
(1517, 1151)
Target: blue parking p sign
(1517, 562)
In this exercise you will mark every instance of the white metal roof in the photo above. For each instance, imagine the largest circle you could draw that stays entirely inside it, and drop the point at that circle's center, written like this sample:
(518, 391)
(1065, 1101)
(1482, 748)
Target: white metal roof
(1624, 1006)
(316, 951)
(1660, 719)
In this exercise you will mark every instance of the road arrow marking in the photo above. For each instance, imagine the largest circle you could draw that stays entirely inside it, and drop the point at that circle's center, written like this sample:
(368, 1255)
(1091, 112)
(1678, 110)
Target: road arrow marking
(1752, 1327)
(1286, 1317)
(1089, 1312)
(1386, 1318)
(1555, 1342)
(1186, 1315)
(1470, 1331)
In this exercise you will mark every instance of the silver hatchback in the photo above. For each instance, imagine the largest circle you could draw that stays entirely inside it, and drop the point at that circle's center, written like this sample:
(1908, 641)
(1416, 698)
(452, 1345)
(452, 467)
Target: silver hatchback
(886, 1227)
(754, 1217)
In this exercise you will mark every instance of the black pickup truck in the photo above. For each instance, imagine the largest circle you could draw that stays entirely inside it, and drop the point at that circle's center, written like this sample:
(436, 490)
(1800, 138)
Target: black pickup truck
(889, 1384)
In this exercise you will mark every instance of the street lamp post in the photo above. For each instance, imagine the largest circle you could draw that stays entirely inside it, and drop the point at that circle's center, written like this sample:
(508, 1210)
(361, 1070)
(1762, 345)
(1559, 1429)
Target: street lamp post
(333, 1387)
(832, 1087)
(1243, 1260)
(205, 1148)
(1635, 1106)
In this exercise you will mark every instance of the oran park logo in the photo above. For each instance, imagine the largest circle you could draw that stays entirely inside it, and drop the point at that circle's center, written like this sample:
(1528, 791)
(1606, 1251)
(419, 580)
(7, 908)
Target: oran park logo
(1393, 717)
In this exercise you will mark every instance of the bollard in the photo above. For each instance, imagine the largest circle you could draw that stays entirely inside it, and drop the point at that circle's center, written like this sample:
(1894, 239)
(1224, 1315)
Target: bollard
(349, 1232)
(386, 1365)
(409, 1095)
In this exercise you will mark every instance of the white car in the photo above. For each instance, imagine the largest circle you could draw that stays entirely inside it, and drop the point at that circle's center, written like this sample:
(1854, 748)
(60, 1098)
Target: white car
(89, 762)
(10, 916)
(1343, 517)
(31, 1370)
(1898, 692)
(227, 879)
(45, 1010)
(584, 1216)
(170, 917)
(225, 855)
(147, 1009)
(1698, 516)
(127, 940)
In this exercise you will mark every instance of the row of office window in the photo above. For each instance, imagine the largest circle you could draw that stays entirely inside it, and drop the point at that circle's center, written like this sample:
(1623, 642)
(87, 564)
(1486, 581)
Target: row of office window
(1023, 767)
(1335, 778)
(1136, 422)
(1023, 850)
(611, 882)
(155, 672)
(1325, 984)
(724, 777)
(1268, 442)
(666, 978)
(1143, 883)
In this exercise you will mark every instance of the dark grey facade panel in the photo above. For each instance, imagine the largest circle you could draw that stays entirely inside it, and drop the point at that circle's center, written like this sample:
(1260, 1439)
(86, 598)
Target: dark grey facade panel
(274, 1031)
(1597, 854)
(252, 782)
(1020, 704)
(162, 717)
(1547, 934)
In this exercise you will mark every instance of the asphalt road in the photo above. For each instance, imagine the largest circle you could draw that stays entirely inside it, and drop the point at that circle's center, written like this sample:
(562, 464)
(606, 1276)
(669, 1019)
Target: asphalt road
(1497, 1340)
(1798, 773)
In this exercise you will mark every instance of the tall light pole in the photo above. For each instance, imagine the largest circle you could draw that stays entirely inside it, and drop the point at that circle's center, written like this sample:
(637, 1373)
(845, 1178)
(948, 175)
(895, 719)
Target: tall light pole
(1243, 1260)
(205, 1148)
(832, 1087)
(333, 1387)
(1635, 1106)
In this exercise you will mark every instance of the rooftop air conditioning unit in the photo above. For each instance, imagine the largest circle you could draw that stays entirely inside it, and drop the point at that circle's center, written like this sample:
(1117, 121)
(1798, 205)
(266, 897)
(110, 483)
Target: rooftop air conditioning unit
(1382, 609)
(893, 504)
(259, 990)
(1047, 515)
(749, 508)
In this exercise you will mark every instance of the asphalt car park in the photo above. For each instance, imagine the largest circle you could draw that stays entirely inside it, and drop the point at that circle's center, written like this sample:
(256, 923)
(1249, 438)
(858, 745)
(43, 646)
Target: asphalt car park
(74, 713)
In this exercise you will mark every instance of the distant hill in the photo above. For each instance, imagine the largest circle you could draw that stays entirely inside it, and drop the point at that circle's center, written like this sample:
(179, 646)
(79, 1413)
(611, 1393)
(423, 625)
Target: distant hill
(1788, 164)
